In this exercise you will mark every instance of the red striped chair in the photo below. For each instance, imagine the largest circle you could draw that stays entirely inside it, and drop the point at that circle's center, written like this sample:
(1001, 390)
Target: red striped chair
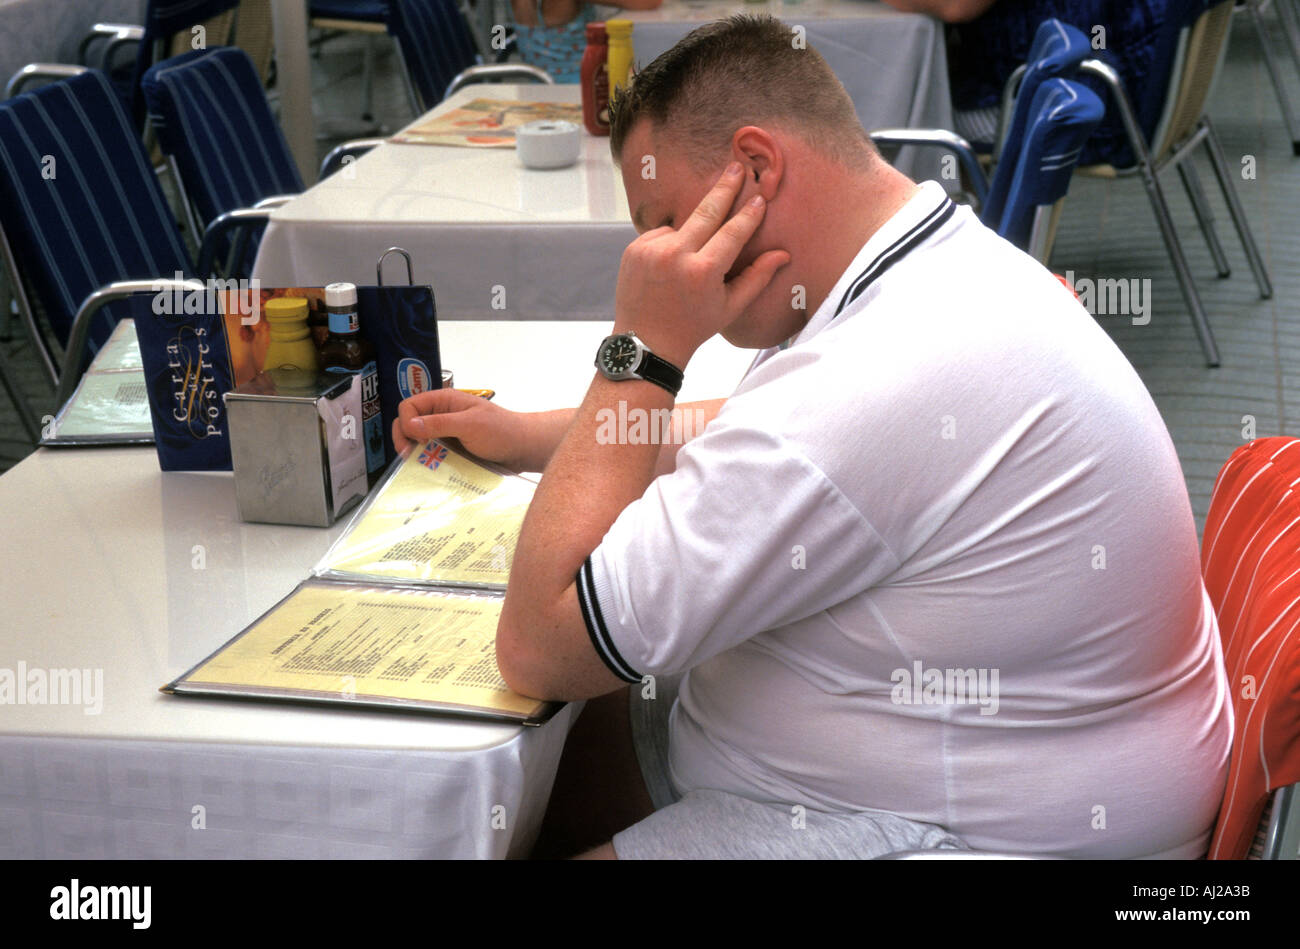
(1250, 556)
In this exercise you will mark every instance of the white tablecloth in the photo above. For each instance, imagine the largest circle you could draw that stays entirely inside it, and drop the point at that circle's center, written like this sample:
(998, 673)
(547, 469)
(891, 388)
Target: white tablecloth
(113, 566)
(496, 240)
(499, 241)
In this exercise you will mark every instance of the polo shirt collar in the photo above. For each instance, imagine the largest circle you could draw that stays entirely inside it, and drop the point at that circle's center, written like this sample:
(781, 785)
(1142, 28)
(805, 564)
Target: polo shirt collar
(923, 214)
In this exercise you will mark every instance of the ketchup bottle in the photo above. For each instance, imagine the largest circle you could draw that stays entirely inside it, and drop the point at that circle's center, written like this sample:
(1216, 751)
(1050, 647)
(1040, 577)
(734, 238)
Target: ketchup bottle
(595, 81)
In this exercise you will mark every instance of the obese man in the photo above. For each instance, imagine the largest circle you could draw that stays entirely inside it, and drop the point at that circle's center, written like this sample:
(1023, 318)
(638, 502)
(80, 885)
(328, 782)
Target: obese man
(929, 576)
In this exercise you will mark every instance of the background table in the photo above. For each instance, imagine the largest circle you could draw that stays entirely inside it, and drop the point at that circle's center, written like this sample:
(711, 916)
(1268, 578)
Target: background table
(50, 31)
(893, 64)
(474, 219)
(112, 565)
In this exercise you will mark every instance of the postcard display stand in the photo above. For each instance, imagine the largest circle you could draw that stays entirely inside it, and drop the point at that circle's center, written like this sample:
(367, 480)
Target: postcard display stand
(402, 611)
(196, 347)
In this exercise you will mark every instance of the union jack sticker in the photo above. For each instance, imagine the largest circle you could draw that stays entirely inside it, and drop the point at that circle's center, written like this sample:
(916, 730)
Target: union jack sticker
(432, 455)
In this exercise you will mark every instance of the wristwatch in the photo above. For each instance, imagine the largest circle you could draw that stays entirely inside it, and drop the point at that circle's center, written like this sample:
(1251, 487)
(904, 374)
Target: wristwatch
(623, 356)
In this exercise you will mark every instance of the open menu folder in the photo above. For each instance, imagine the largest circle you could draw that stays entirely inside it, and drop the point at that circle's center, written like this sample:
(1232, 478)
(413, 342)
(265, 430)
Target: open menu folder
(111, 403)
(402, 611)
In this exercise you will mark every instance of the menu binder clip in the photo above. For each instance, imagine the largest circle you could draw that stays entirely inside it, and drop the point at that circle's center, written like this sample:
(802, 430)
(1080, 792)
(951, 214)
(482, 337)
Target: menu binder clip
(379, 266)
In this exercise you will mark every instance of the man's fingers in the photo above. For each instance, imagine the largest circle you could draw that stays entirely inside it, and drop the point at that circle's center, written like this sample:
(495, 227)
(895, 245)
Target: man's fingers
(725, 246)
(745, 287)
(439, 425)
(713, 210)
(434, 400)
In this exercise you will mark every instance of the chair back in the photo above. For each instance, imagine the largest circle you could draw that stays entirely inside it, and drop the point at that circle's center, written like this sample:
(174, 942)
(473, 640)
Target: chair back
(210, 113)
(1061, 117)
(1202, 53)
(80, 204)
(163, 20)
(255, 35)
(435, 44)
(1250, 556)
(1057, 50)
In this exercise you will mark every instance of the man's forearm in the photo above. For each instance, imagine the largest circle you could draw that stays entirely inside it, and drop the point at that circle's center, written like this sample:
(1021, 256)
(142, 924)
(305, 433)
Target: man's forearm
(586, 486)
(547, 429)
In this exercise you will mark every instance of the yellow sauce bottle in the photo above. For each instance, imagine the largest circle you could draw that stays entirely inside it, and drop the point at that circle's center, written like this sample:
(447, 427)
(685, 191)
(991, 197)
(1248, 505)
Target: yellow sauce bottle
(621, 54)
(291, 344)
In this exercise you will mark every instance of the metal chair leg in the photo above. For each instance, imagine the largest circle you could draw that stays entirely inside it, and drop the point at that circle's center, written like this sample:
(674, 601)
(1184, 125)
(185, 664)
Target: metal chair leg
(40, 345)
(1200, 322)
(1204, 215)
(1275, 75)
(6, 307)
(368, 81)
(1137, 141)
(412, 95)
(1286, 13)
(25, 413)
(1221, 171)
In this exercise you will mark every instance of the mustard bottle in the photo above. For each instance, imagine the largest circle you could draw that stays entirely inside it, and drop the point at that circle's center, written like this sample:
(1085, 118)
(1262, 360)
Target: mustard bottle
(291, 344)
(620, 54)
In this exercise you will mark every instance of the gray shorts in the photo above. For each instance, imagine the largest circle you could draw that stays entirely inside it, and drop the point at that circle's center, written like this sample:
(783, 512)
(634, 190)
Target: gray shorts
(717, 825)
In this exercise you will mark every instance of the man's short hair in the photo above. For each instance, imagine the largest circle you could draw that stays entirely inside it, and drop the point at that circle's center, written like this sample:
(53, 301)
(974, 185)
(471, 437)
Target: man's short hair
(744, 70)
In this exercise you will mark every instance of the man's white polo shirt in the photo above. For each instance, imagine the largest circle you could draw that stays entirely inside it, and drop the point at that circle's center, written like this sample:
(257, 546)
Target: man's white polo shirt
(935, 558)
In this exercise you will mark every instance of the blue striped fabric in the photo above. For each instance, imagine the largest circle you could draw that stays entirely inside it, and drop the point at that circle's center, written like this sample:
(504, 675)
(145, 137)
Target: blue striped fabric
(435, 42)
(1062, 117)
(79, 201)
(210, 111)
(163, 19)
(1057, 50)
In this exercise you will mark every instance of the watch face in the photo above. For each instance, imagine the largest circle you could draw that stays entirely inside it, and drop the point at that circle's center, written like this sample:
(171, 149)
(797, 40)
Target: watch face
(619, 355)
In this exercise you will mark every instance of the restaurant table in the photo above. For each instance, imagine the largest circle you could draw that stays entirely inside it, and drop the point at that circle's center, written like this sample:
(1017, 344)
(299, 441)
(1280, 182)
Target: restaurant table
(116, 567)
(893, 64)
(473, 219)
(500, 241)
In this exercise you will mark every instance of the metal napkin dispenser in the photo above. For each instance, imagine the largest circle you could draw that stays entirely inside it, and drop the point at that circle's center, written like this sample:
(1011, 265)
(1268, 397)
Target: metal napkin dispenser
(296, 442)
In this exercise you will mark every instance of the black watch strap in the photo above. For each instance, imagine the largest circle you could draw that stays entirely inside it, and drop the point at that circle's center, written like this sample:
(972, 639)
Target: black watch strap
(660, 371)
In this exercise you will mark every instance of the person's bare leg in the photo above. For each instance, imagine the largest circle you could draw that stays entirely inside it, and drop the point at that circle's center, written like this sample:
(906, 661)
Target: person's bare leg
(598, 786)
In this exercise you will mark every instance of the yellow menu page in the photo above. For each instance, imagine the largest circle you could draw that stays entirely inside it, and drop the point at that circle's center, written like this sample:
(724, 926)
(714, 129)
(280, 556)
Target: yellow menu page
(357, 643)
(440, 518)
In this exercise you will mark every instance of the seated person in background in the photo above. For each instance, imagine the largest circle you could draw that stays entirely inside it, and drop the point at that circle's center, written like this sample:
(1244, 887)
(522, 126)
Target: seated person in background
(552, 34)
(928, 578)
(988, 39)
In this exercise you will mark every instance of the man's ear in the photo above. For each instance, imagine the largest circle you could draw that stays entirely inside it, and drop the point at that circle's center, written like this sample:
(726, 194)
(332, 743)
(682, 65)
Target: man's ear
(762, 157)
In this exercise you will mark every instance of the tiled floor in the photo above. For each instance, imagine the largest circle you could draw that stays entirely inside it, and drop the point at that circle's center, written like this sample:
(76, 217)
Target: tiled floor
(1107, 232)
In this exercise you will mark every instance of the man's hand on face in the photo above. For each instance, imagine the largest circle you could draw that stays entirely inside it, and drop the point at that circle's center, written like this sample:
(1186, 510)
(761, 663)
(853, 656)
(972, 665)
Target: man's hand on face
(672, 287)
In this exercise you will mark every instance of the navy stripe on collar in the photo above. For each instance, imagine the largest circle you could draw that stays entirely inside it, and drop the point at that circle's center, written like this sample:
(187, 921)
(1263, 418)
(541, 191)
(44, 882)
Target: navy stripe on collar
(897, 251)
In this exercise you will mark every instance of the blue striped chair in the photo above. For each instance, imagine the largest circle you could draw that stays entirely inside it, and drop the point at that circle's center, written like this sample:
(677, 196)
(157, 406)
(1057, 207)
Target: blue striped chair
(1038, 160)
(1058, 122)
(83, 221)
(226, 151)
(438, 52)
(213, 123)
